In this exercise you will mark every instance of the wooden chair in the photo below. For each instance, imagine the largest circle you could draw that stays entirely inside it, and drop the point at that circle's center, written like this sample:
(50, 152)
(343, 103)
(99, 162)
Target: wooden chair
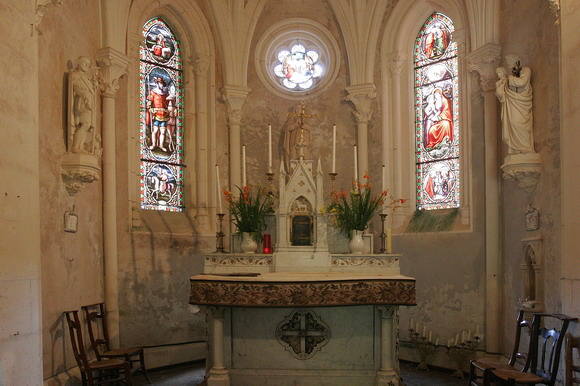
(547, 348)
(96, 317)
(572, 371)
(97, 372)
(479, 369)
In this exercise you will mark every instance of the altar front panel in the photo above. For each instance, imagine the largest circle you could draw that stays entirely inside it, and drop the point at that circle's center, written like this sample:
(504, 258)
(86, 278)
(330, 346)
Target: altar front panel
(350, 339)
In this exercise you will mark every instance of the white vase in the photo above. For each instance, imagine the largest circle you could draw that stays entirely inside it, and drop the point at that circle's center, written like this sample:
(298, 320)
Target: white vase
(249, 245)
(357, 244)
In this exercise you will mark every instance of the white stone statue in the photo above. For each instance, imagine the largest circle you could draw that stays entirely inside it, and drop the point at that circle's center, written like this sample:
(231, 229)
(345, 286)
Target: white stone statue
(82, 104)
(514, 92)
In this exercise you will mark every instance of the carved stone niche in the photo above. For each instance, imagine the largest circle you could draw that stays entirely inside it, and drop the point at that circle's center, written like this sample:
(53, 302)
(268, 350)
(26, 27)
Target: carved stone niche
(533, 272)
(524, 168)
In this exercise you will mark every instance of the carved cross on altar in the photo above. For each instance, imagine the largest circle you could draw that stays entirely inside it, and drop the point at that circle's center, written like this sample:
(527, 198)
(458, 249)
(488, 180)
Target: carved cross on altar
(304, 333)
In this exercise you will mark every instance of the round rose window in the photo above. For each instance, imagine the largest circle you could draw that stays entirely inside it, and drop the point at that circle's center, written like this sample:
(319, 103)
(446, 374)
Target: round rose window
(298, 68)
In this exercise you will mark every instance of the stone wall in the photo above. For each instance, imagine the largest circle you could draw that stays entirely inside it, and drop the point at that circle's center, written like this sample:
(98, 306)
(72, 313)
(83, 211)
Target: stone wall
(529, 31)
(20, 276)
(72, 263)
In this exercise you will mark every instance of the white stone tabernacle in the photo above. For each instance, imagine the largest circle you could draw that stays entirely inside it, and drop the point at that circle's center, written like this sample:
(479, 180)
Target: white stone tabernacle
(302, 315)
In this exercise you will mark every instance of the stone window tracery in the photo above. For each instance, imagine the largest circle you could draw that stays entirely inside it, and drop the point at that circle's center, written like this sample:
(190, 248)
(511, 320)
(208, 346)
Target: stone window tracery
(437, 132)
(161, 111)
(298, 68)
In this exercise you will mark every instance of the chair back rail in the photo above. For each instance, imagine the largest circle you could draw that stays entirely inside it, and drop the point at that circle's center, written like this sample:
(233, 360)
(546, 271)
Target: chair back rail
(572, 370)
(548, 344)
(76, 336)
(96, 317)
(522, 324)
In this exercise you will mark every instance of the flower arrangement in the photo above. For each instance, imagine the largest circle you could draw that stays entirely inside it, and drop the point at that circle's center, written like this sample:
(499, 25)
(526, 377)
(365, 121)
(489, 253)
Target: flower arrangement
(356, 208)
(248, 210)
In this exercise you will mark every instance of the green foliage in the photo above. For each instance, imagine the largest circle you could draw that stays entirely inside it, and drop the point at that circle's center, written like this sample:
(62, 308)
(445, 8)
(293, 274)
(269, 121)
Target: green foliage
(428, 221)
(354, 210)
(249, 209)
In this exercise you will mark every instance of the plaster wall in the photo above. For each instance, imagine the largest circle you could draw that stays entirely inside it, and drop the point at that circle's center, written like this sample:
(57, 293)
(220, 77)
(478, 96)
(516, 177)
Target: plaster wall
(20, 299)
(529, 31)
(72, 263)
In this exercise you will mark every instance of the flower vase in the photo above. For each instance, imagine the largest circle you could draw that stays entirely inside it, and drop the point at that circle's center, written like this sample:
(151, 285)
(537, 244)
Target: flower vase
(249, 245)
(357, 244)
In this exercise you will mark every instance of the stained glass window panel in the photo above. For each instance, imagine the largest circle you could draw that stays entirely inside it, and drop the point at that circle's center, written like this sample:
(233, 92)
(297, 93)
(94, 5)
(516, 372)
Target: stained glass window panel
(437, 134)
(161, 112)
(298, 68)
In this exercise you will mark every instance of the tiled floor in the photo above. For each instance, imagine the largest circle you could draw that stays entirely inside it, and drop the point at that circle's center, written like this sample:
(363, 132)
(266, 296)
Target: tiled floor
(192, 374)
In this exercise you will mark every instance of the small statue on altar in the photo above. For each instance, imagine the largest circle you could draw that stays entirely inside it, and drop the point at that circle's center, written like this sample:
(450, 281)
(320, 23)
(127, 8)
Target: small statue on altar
(297, 138)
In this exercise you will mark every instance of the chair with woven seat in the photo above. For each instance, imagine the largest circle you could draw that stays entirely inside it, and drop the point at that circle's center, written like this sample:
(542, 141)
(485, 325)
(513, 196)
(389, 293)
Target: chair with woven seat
(572, 370)
(480, 367)
(95, 372)
(545, 356)
(96, 317)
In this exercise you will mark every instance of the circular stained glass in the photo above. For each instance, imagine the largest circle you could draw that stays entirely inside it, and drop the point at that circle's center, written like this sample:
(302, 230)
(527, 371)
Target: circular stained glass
(298, 69)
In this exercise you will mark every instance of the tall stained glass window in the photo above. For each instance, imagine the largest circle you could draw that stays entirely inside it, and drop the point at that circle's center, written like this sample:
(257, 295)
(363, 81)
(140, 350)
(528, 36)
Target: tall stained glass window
(161, 111)
(437, 141)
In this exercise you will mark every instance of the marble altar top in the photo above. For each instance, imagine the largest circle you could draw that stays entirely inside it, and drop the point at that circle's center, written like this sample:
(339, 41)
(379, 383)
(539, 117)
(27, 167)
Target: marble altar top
(291, 289)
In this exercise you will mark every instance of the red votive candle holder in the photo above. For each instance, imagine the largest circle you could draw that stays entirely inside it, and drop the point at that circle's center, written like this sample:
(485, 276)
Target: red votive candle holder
(266, 243)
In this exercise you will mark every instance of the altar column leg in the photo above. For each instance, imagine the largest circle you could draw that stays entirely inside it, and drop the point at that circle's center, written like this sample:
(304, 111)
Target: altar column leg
(218, 374)
(388, 374)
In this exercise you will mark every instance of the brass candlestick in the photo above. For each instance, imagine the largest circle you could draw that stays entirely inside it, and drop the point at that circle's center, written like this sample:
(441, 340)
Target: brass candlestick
(219, 241)
(270, 179)
(383, 234)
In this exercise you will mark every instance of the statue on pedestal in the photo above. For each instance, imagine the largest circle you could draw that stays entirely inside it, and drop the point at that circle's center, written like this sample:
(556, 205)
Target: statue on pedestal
(514, 91)
(297, 135)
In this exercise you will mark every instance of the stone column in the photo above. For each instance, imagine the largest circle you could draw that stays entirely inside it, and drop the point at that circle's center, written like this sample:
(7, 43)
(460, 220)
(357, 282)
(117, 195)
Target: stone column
(362, 96)
(218, 374)
(112, 66)
(200, 71)
(388, 374)
(484, 61)
(235, 97)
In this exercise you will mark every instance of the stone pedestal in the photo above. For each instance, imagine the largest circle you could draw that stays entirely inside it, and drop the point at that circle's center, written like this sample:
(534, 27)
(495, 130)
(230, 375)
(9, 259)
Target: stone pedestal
(524, 168)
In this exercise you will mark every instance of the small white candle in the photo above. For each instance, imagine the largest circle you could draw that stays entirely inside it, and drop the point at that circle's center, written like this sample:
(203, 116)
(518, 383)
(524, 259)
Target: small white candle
(269, 148)
(243, 165)
(384, 175)
(468, 334)
(355, 166)
(424, 331)
(219, 187)
(437, 342)
(463, 336)
(334, 148)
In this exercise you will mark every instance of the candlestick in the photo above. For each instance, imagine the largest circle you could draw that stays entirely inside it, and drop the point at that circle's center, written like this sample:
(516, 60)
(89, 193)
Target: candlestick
(243, 165)
(355, 165)
(424, 330)
(436, 341)
(269, 148)
(219, 188)
(334, 149)
(219, 247)
(332, 181)
(384, 243)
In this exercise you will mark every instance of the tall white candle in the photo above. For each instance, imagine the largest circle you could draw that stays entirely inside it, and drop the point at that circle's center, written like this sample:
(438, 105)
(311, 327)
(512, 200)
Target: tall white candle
(219, 188)
(384, 178)
(243, 165)
(334, 148)
(355, 165)
(269, 148)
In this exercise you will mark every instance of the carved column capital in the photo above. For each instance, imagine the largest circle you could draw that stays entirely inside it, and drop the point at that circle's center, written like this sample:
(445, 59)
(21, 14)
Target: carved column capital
(484, 61)
(386, 312)
(112, 66)
(361, 97)
(235, 97)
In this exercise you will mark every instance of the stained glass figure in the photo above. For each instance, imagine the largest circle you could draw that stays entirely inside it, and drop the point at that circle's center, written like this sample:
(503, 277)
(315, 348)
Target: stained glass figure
(437, 115)
(161, 112)
(298, 69)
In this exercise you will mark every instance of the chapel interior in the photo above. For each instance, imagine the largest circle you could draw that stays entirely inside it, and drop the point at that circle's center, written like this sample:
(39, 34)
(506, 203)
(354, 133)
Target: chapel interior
(125, 121)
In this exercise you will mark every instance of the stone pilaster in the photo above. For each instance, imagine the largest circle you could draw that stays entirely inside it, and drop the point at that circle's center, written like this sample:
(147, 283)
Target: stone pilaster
(235, 97)
(112, 66)
(362, 97)
(484, 61)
